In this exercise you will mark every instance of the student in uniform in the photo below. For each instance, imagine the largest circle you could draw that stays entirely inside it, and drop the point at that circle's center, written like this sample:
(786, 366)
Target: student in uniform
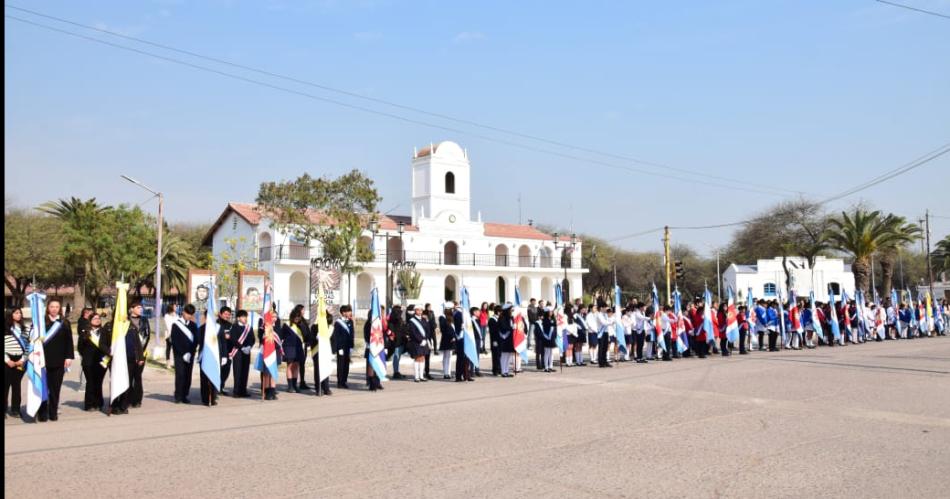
(397, 333)
(342, 339)
(428, 319)
(593, 333)
(549, 338)
(268, 333)
(761, 323)
(478, 335)
(242, 340)
(446, 339)
(137, 340)
(581, 337)
(743, 320)
(313, 341)
(639, 331)
(372, 381)
(226, 343)
(417, 343)
(494, 340)
(463, 370)
(16, 339)
(506, 340)
(209, 395)
(58, 352)
(93, 346)
(168, 320)
(183, 337)
(291, 337)
(723, 323)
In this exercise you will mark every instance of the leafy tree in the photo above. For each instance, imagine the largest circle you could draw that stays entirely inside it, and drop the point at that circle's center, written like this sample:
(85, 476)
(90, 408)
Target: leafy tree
(791, 228)
(237, 256)
(81, 221)
(32, 249)
(333, 212)
(192, 235)
(940, 256)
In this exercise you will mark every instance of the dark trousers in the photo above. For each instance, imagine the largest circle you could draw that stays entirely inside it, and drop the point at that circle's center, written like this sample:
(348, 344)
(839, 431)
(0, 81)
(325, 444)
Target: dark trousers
(208, 393)
(724, 346)
(226, 372)
(496, 360)
(11, 382)
(668, 341)
(641, 337)
(182, 378)
(702, 348)
(242, 367)
(463, 368)
(94, 376)
(603, 343)
(742, 335)
(303, 372)
(342, 368)
(136, 392)
(54, 379)
(168, 349)
(428, 355)
(319, 385)
(773, 340)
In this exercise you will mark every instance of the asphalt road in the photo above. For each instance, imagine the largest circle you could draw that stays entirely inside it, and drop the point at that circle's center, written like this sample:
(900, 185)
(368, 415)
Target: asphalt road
(859, 421)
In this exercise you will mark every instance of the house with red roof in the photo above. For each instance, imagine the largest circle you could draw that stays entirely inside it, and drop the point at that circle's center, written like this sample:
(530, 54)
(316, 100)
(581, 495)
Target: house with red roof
(439, 239)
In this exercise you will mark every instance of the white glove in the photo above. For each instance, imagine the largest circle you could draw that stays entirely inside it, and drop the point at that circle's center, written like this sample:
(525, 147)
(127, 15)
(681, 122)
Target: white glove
(186, 358)
(246, 350)
(425, 343)
(339, 352)
(224, 361)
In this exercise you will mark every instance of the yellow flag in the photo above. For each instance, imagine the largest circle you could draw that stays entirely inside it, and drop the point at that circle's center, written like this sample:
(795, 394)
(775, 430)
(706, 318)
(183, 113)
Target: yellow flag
(119, 378)
(324, 350)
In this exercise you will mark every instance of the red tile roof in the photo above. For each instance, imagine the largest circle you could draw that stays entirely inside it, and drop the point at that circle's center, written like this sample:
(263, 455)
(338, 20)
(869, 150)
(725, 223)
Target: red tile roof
(515, 231)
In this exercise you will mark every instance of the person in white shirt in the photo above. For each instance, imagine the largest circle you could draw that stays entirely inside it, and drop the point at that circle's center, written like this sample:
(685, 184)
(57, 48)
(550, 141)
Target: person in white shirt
(168, 320)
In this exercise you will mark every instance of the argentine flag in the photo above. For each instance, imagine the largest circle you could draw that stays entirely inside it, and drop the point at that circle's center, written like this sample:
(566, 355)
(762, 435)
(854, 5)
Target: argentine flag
(377, 348)
(37, 391)
(471, 348)
(210, 353)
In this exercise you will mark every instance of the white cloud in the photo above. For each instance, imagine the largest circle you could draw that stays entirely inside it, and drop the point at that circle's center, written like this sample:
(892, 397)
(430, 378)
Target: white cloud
(468, 36)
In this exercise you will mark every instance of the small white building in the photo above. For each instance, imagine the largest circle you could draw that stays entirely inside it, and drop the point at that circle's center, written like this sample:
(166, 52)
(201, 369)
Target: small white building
(767, 278)
(450, 249)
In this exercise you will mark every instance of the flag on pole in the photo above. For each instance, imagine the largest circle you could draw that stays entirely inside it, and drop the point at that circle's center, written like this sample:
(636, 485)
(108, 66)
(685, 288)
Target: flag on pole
(377, 347)
(37, 390)
(707, 316)
(895, 303)
(118, 356)
(816, 324)
(680, 326)
(210, 354)
(732, 323)
(324, 348)
(267, 357)
(471, 348)
(929, 312)
(833, 320)
(560, 320)
(846, 316)
(657, 320)
(781, 319)
(618, 312)
(519, 336)
(750, 306)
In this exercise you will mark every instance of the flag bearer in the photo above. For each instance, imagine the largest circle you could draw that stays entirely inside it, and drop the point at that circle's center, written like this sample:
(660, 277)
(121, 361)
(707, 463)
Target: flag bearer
(342, 339)
(136, 341)
(93, 346)
(494, 339)
(225, 342)
(183, 334)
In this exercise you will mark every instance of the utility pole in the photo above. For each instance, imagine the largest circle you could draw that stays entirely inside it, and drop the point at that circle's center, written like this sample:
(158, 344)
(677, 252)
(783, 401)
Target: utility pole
(921, 222)
(718, 278)
(930, 271)
(666, 258)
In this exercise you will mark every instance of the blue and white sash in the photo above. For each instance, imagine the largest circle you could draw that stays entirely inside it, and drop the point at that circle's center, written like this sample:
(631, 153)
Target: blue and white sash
(51, 332)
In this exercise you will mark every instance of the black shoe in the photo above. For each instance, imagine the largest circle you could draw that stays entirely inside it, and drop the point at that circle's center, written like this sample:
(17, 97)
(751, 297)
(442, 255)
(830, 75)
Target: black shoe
(54, 418)
(214, 402)
(415, 380)
(226, 394)
(136, 406)
(428, 376)
(185, 401)
(470, 379)
(304, 386)
(398, 376)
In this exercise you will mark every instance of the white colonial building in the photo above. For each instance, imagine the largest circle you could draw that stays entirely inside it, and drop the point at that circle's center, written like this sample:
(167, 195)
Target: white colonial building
(449, 247)
(767, 278)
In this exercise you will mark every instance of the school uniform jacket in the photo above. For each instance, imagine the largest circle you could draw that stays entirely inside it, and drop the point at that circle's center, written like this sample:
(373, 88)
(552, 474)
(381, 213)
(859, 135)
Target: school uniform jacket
(448, 331)
(181, 344)
(60, 347)
(342, 337)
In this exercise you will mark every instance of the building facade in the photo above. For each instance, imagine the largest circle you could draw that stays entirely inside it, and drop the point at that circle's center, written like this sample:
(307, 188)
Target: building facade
(767, 278)
(447, 246)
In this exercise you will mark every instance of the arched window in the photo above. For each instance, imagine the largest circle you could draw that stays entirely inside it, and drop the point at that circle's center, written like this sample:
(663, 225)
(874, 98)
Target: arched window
(769, 289)
(834, 288)
(450, 183)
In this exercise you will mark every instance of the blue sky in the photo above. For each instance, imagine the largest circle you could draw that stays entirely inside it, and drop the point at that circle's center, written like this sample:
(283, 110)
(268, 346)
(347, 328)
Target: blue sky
(808, 96)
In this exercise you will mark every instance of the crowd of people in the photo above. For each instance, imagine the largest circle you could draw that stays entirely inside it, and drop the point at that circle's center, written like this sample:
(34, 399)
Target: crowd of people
(580, 334)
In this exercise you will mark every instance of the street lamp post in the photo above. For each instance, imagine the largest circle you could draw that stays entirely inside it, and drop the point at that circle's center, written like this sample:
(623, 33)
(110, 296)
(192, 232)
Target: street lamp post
(158, 349)
(572, 244)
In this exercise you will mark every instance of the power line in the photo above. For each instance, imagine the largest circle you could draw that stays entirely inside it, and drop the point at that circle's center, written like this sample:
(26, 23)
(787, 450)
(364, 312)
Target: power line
(916, 163)
(908, 7)
(394, 104)
(382, 113)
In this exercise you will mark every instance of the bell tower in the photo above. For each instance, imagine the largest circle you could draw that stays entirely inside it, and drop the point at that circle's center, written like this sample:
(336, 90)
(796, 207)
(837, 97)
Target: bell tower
(441, 184)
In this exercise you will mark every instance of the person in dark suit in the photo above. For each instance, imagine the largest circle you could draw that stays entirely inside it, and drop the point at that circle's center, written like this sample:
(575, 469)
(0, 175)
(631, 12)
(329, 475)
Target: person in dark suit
(184, 341)
(463, 367)
(225, 343)
(506, 340)
(447, 337)
(242, 340)
(209, 395)
(342, 340)
(494, 339)
(428, 319)
(291, 337)
(93, 346)
(136, 341)
(313, 341)
(58, 352)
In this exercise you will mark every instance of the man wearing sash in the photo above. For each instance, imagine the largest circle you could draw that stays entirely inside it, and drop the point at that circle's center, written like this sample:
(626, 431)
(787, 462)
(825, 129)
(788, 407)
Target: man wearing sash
(136, 341)
(242, 340)
(183, 332)
(58, 350)
(494, 339)
(225, 343)
(342, 340)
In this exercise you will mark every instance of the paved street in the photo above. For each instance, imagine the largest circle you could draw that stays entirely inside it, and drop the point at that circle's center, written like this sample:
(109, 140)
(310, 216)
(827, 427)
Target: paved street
(869, 421)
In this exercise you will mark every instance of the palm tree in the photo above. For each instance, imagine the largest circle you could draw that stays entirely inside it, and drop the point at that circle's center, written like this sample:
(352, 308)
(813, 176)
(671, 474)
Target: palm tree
(902, 233)
(941, 255)
(79, 217)
(862, 234)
